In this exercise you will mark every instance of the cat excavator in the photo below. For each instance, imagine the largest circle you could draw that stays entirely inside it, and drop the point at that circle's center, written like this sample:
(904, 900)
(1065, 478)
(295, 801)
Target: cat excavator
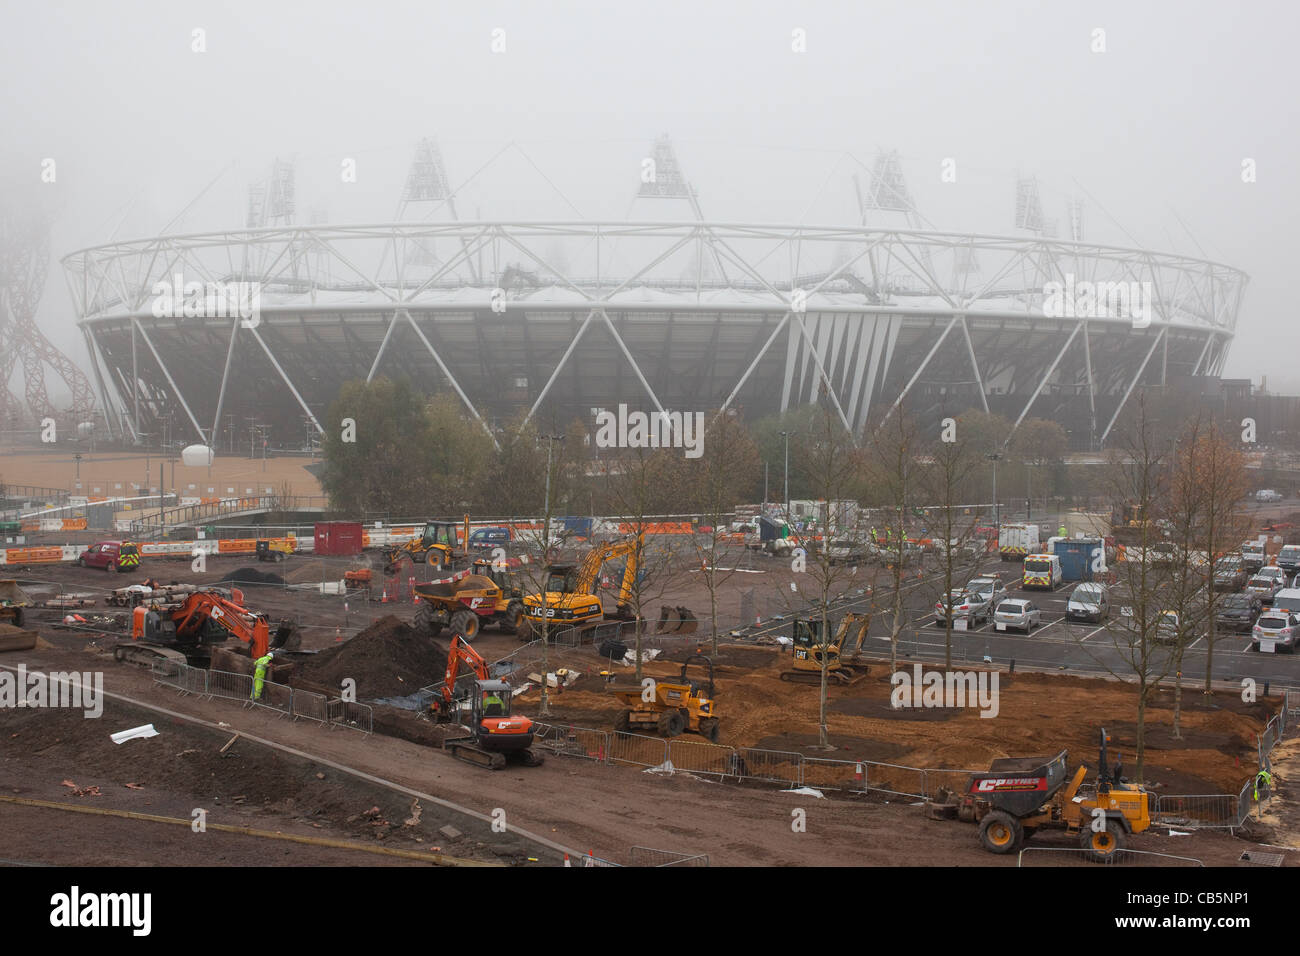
(810, 650)
(185, 630)
(495, 735)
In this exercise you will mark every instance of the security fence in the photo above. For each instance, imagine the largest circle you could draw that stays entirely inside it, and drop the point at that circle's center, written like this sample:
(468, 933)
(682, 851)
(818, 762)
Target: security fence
(648, 856)
(281, 698)
(1069, 856)
(1200, 811)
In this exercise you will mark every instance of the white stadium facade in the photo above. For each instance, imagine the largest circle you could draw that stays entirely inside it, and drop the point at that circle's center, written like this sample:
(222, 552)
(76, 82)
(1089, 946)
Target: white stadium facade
(558, 319)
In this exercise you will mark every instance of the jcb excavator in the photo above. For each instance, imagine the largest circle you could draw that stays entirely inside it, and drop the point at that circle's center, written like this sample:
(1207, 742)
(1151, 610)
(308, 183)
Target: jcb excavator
(438, 545)
(570, 593)
(810, 650)
(495, 734)
(185, 631)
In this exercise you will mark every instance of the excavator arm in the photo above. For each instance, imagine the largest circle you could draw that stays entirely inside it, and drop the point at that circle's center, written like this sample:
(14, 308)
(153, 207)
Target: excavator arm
(458, 655)
(203, 606)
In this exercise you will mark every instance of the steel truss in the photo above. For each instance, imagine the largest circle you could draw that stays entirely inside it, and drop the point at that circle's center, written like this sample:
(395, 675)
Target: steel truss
(865, 331)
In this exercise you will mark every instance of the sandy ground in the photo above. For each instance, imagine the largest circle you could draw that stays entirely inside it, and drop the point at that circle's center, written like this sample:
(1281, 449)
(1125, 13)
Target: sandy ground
(114, 473)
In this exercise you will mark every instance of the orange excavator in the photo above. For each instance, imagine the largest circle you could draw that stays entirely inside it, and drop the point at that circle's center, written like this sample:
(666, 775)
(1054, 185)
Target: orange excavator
(184, 631)
(495, 734)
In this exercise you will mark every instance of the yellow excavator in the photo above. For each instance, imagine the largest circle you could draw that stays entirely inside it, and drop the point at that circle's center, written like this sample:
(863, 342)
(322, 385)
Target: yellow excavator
(570, 597)
(810, 650)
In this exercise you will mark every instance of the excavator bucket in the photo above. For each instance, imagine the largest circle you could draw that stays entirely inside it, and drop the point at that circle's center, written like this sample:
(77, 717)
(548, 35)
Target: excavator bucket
(669, 619)
(676, 620)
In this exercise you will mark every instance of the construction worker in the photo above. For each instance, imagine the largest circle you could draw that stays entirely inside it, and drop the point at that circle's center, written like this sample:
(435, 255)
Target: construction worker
(1061, 532)
(1263, 781)
(259, 674)
(493, 706)
(874, 539)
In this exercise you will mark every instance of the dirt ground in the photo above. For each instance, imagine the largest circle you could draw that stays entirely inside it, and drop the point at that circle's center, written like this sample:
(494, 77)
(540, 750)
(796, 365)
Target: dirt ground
(604, 809)
(102, 472)
(60, 756)
(607, 809)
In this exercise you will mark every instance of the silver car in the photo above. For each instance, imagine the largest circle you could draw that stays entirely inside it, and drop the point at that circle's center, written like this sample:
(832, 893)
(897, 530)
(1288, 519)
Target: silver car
(1018, 613)
(1089, 601)
(1275, 631)
(1265, 587)
(962, 605)
(992, 590)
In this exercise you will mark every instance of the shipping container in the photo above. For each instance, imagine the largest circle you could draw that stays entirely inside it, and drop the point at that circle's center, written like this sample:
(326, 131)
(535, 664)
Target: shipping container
(1079, 556)
(339, 537)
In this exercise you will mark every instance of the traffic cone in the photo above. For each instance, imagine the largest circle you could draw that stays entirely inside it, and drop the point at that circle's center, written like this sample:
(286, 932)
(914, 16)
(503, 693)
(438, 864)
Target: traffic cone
(338, 635)
(566, 860)
(384, 599)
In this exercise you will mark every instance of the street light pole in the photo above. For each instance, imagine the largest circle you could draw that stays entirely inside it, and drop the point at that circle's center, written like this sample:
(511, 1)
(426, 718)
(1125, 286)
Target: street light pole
(786, 436)
(997, 515)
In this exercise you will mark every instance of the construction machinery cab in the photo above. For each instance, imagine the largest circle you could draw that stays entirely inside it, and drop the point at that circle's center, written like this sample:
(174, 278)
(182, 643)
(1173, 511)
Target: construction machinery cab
(698, 688)
(811, 648)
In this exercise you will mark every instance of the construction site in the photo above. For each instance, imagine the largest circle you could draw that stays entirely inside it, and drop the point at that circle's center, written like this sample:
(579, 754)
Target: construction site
(375, 695)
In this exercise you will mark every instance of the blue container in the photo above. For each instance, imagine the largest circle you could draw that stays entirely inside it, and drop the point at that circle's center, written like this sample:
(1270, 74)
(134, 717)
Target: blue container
(1077, 556)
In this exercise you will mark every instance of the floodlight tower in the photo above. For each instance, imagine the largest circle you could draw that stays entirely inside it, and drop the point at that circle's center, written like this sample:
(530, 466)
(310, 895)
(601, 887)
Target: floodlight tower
(886, 201)
(426, 190)
(664, 178)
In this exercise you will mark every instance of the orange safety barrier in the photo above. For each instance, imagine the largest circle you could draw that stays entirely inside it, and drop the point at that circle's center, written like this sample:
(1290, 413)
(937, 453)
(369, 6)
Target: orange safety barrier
(33, 555)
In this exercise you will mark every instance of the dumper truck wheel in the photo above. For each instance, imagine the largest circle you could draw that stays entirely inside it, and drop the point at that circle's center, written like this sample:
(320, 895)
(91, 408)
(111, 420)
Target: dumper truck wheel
(709, 729)
(514, 616)
(424, 621)
(671, 723)
(18, 617)
(466, 624)
(1102, 845)
(1000, 832)
(623, 722)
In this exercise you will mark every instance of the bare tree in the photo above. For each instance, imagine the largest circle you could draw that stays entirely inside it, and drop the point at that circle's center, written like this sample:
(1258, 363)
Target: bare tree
(947, 478)
(895, 473)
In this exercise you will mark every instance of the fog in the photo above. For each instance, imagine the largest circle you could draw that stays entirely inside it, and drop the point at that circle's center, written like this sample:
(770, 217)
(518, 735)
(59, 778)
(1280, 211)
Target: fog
(1151, 133)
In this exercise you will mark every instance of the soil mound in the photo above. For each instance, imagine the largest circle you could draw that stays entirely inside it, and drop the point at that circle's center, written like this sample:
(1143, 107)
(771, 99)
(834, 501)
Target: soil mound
(252, 576)
(388, 659)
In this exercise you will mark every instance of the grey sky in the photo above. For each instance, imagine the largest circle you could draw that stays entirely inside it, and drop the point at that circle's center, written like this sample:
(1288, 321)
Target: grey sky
(138, 123)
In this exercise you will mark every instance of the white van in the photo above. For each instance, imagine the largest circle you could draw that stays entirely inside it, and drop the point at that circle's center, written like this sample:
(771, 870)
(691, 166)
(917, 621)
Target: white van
(1042, 571)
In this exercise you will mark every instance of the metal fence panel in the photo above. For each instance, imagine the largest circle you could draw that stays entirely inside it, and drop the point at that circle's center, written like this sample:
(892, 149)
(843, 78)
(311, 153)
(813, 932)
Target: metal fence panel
(648, 856)
(697, 756)
(230, 686)
(892, 778)
(572, 741)
(346, 713)
(277, 697)
(310, 706)
(954, 781)
(1068, 856)
(826, 774)
(637, 750)
(1197, 810)
(775, 766)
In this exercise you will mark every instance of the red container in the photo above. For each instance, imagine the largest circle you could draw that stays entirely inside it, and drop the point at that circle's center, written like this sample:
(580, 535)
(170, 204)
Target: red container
(338, 537)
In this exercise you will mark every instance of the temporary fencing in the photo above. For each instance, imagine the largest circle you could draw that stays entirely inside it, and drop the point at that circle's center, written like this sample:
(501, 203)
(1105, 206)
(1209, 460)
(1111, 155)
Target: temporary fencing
(281, 698)
(1202, 811)
(648, 856)
(1069, 856)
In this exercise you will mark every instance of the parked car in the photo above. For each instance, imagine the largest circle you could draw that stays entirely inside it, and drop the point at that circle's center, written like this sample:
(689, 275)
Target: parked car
(1018, 613)
(1288, 559)
(992, 590)
(1267, 495)
(1287, 601)
(1276, 573)
(1167, 628)
(1238, 612)
(1229, 573)
(1275, 631)
(484, 538)
(111, 556)
(1089, 601)
(846, 551)
(963, 605)
(1265, 587)
(1252, 556)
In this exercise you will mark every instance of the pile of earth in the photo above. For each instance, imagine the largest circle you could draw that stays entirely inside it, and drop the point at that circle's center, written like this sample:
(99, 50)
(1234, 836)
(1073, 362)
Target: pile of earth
(251, 576)
(387, 659)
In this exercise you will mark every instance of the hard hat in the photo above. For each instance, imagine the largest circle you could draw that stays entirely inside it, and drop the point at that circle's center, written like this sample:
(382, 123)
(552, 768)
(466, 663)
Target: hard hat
(270, 654)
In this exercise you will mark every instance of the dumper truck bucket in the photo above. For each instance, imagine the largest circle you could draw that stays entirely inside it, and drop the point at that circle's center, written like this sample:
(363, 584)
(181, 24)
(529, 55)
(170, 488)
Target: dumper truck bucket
(11, 593)
(690, 624)
(1019, 785)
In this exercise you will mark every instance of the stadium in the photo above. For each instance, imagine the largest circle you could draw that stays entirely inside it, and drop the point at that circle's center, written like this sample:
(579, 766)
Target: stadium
(555, 320)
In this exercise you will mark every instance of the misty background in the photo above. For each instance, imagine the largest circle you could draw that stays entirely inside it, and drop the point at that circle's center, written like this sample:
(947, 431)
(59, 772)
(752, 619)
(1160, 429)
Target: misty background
(148, 135)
